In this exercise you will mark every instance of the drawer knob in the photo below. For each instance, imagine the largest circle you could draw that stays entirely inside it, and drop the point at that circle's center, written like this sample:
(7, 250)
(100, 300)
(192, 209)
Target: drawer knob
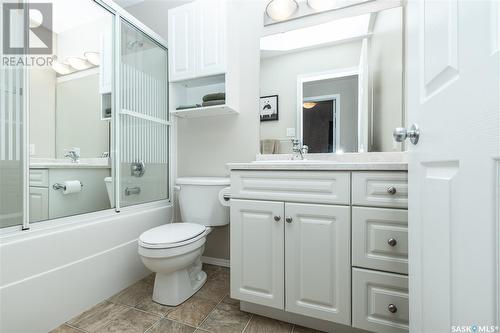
(392, 308)
(391, 190)
(277, 218)
(392, 242)
(288, 219)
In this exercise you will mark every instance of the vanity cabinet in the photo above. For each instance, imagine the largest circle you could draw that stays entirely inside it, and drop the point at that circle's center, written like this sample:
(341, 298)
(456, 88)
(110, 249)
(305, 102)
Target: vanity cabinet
(328, 245)
(294, 252)
(197, 40)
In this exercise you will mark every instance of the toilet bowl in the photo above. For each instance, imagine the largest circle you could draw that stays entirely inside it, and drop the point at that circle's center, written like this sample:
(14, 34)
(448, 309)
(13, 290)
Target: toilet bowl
(173, 251)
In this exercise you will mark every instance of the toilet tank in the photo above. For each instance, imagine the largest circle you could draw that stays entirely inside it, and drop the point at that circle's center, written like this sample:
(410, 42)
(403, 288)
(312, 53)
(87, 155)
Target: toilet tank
(199, 200)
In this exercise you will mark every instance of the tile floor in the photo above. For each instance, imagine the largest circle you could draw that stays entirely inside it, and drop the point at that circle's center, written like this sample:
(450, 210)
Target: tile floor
(209, 310)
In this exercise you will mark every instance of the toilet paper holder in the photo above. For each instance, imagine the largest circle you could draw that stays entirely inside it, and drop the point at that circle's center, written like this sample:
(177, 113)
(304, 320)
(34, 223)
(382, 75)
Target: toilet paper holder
(59, 186)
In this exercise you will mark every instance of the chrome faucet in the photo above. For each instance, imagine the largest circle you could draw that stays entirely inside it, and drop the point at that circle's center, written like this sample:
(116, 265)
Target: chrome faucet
(298, 149)
(73, 154)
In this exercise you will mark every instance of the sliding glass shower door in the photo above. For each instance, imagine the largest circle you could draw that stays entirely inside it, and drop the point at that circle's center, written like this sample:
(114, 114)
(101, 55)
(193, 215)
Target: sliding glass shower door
(143, 119)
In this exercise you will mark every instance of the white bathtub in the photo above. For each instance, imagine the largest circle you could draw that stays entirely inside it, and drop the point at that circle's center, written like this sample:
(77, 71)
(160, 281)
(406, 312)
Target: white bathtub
(66, 266)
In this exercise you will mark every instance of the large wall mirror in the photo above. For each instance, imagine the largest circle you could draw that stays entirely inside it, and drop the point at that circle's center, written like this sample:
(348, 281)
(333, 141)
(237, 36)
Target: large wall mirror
(337, 85)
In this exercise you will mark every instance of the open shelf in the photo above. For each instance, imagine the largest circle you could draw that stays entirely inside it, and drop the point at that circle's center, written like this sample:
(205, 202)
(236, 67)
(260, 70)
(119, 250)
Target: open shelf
(205, 111)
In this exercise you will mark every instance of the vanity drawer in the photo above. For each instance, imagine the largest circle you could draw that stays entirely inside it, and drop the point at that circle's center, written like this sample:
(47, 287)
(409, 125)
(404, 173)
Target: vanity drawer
(379, 301)
(39, 177)
(380, 239)
(380, 189)
(292, 186)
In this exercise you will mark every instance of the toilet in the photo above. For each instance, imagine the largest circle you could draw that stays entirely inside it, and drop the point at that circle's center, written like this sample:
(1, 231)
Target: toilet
(173, 251)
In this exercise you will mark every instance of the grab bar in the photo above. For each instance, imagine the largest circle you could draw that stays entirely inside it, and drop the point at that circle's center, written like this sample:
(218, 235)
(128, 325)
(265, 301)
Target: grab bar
(132, 190)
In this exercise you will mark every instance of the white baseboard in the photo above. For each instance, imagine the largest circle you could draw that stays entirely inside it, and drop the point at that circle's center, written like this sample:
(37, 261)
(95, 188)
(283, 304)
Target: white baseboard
(215, 261)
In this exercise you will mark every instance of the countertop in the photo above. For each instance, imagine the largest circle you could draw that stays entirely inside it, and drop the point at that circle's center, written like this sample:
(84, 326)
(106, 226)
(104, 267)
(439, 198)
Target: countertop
(85, 163)
(327, 162)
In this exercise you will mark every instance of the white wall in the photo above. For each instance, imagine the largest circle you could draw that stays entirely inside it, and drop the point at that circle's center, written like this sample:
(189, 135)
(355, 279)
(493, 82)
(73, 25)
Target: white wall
(72, 267)
(279, 77)
(386, 66)
(43, 112)
(78, 114)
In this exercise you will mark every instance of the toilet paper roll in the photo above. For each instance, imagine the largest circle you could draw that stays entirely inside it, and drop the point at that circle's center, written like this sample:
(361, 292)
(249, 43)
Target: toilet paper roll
(72, 186)
(224, 196)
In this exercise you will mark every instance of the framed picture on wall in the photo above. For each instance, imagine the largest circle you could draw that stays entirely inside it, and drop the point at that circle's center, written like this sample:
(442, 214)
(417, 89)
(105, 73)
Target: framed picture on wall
(269, 108)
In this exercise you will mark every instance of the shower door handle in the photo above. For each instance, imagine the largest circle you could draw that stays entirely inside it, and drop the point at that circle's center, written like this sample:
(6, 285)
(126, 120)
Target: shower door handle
(132, 190)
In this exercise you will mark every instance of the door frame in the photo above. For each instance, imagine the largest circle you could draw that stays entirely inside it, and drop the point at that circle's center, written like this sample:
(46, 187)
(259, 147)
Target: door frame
(318, 76)
(336, 115)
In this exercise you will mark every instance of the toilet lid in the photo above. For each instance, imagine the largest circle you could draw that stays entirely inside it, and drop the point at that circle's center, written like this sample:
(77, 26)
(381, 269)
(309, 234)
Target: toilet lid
(172, 233)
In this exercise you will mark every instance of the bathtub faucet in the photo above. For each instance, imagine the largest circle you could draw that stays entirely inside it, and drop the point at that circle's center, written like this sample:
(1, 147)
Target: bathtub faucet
(73, 154)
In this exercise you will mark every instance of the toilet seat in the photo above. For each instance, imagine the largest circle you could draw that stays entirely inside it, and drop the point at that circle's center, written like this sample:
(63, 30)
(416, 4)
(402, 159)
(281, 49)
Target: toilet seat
(172, 235)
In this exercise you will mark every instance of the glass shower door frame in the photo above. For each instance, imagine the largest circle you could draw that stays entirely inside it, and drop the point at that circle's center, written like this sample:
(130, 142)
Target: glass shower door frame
(119, 15)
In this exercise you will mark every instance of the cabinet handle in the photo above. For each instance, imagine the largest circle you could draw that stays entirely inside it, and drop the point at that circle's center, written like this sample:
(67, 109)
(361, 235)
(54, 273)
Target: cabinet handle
(392, 308)
(392, 242)
(277, 218)
(391, 190)
(288, 219)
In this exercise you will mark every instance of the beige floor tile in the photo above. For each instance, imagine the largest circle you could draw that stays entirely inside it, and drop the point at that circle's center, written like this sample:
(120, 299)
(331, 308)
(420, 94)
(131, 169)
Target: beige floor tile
(213, 289)
(65, 329)
(135, 294)
(168, 326)
(210, 269)
(192, 311)
(301, 329)
(152, 307)
(226, 318)
(260, 324)
(97, 317)
(130, 321)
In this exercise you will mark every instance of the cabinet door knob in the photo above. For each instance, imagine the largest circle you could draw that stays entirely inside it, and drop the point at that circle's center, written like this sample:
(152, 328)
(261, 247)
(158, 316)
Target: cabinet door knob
(392, 308)
(392, 242)
(277, 218)
(391, 190)
(288, 219)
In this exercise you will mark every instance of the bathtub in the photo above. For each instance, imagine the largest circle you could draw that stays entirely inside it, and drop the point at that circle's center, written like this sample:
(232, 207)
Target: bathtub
(62, 267)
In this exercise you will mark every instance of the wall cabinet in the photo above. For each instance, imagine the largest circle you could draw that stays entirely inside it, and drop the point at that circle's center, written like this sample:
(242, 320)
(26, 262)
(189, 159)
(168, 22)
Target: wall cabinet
(197, 40)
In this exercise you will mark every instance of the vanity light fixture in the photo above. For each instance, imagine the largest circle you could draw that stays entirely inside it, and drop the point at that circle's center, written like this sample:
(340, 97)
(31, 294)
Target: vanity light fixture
(280, 10)
(61, 68)
(93, 57)
(78, 63)
(309, 105)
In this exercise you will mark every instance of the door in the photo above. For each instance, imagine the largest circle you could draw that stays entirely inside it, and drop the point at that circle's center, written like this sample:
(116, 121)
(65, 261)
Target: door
(453, 95)
(257, 252)
(143, 141)
(317, 261)
(211, 35)
(181, 41)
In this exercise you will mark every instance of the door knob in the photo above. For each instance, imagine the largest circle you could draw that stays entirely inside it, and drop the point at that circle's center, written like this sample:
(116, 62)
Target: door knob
(391, 190)
(288, 219)
(392, 308)
(392, 242)
(277, 218)
(400, 134)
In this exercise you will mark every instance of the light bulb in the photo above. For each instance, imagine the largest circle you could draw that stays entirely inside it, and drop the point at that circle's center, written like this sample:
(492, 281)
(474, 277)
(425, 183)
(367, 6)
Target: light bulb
(78, 63)
(93, 57)
(61, 68)
(280, 10)
(309, 105)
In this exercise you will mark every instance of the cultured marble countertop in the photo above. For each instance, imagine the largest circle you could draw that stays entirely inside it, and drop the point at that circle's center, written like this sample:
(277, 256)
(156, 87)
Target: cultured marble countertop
(348, 161)
(85, 163)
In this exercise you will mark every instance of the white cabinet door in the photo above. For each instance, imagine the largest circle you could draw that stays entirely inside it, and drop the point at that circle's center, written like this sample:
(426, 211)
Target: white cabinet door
(257, 252)
(181, 42)
(211, 37)
(39, 204)
(317, 261)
